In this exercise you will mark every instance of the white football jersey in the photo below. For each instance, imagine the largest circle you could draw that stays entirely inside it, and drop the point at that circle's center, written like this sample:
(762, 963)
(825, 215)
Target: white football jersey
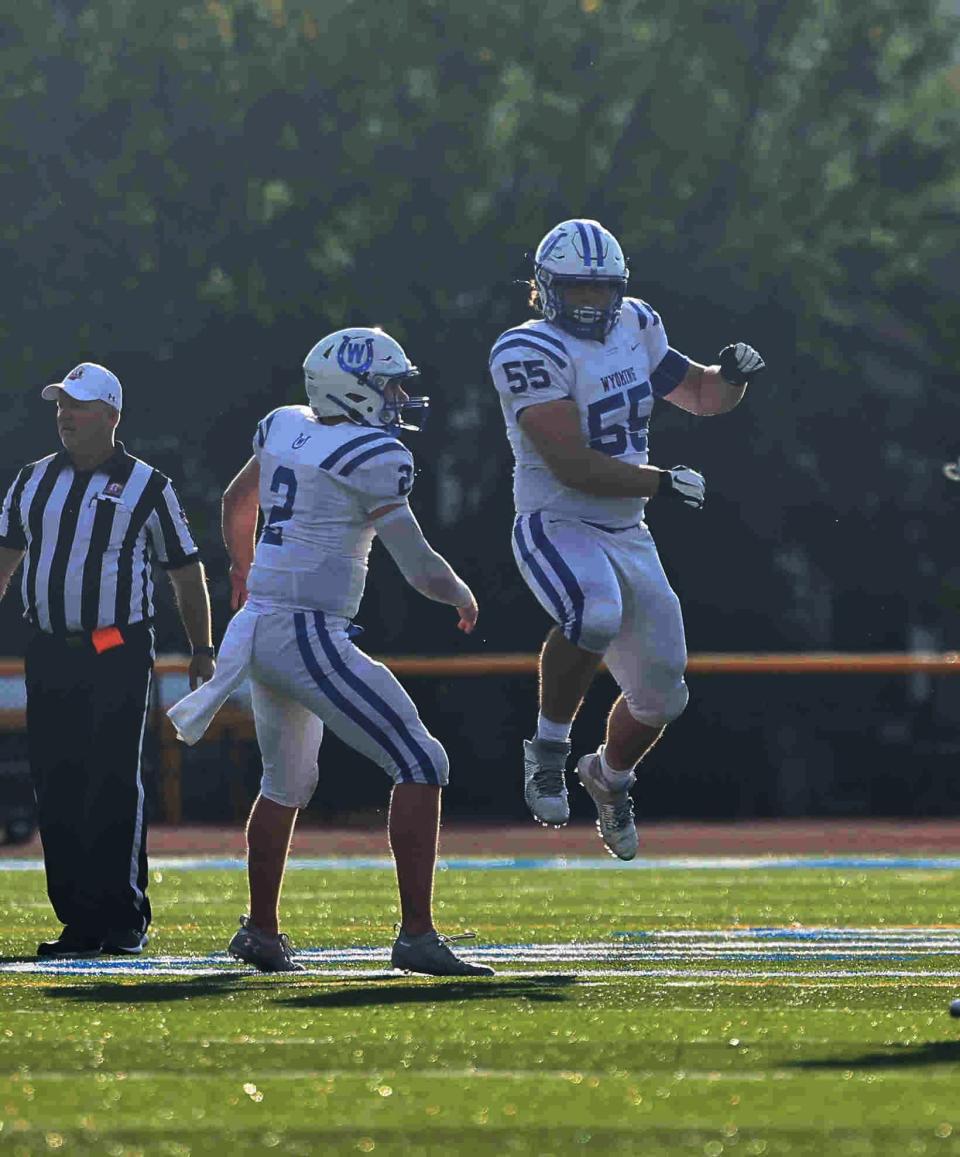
(318, 487)
(613, 384)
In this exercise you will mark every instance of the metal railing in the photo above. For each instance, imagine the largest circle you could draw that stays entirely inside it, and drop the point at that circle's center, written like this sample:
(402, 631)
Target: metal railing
(234, 723)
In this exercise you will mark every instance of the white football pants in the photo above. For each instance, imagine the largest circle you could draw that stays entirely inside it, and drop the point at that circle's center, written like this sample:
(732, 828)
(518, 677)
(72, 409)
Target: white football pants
(304, 673)
(607, 592)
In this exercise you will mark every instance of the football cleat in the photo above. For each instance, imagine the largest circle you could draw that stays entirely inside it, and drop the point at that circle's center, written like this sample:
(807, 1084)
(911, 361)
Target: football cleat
(430, 953)
(266, 953)
(544, 788)
(615, 819)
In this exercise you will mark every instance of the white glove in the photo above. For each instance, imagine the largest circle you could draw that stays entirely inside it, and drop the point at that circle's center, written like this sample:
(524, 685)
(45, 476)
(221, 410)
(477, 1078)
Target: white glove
(739, 363)
(684, 483)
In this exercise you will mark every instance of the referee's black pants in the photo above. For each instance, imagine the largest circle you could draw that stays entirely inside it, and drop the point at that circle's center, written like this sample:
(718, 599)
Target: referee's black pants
(85, 722)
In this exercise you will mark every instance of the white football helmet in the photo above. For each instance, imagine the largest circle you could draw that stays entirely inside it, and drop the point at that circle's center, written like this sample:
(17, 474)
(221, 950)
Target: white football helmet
(347, 374)
(580, 250)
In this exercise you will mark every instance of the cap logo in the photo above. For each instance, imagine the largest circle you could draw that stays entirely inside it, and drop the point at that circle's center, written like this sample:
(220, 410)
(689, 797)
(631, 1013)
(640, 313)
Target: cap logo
(74, 374)
(355, 356)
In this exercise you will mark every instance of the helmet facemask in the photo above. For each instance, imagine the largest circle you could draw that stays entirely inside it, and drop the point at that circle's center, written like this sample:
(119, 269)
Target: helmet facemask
(411, 413)
(583, 321)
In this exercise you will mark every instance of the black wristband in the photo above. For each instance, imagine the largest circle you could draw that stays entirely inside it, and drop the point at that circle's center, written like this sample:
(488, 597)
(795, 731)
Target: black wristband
(209, 651)
(666, 485)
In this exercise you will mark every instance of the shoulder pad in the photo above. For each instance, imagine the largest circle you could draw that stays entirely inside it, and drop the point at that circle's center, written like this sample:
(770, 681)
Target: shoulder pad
(282, 414)
(362, 448)
(263, 426)
(645, 314)
(532, 336)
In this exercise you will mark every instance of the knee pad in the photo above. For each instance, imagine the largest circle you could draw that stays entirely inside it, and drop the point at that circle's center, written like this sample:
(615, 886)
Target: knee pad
(438, 765)
(292, 788)
(658, 708)
(598, 627)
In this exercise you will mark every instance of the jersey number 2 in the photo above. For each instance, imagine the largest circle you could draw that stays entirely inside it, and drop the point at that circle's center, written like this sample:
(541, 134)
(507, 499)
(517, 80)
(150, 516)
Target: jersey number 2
(283, 479)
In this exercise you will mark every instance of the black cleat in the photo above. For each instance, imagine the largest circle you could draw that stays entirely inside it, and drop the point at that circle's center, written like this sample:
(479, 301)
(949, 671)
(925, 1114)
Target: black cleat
(72, 943)
(125, 942)
(430, 953)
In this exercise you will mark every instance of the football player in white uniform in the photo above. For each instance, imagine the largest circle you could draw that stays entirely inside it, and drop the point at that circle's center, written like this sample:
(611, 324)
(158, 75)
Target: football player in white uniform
(329, 477)
(577, 387)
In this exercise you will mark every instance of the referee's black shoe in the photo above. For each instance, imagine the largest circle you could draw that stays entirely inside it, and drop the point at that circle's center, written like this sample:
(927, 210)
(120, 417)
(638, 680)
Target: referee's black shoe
(125, 942)
(72, 942)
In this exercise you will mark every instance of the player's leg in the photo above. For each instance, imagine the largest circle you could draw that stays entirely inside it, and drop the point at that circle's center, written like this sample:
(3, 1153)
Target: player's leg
(565, 567)
(414, 828)
(566, 672)
(647, 659)
(269, 831)
(362, 702)
(628, 741)
(289, 736)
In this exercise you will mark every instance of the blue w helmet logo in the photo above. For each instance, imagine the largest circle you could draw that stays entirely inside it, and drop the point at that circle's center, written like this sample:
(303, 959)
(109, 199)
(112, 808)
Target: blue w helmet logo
(355, 355)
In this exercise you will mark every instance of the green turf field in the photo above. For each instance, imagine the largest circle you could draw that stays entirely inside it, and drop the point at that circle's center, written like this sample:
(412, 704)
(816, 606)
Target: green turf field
(596, 1036)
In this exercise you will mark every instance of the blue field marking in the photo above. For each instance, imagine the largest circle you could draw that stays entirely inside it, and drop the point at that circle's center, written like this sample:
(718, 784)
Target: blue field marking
(554, 863)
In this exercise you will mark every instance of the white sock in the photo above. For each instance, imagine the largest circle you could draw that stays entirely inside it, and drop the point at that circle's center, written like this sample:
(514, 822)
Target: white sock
(555, 732)
(610, 775)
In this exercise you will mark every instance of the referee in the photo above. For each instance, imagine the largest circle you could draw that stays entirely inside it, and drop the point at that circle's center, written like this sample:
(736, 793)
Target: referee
(89, 522)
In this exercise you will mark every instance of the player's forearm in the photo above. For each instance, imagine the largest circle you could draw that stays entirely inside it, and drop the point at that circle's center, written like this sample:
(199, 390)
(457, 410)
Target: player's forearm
(239, 529)
(594, 473)
(426, 571)
(193, 602)
(714, 394)
(442, 584)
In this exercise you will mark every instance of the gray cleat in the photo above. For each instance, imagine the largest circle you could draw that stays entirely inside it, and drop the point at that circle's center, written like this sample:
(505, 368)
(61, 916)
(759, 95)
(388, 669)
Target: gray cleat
(430, 953)
(544, 789)
(615, 820)
(266, 953)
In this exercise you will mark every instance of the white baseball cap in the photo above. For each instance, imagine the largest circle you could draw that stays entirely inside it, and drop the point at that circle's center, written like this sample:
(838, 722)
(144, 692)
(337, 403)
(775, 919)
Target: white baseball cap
(88, 382)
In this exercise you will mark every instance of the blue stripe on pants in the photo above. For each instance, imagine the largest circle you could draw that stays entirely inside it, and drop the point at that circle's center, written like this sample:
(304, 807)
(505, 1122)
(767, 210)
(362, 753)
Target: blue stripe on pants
(376, 701)
(562, 571)
(538, 573)
(349, 709)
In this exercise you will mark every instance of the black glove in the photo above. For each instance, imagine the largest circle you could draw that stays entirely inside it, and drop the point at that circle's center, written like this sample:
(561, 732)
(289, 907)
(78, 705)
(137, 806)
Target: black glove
(740, 363)
(683, 483)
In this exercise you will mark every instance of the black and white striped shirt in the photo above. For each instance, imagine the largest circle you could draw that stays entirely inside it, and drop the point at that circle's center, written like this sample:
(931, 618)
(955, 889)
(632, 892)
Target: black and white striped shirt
(91, 538)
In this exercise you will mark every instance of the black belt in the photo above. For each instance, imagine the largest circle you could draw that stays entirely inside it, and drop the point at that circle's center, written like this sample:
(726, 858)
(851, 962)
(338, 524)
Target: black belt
(611, 529)
(82, 639)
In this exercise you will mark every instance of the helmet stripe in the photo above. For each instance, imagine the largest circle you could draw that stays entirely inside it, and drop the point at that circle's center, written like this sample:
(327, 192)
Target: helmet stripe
(552, 243)
(585, 240)
(599, 241)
